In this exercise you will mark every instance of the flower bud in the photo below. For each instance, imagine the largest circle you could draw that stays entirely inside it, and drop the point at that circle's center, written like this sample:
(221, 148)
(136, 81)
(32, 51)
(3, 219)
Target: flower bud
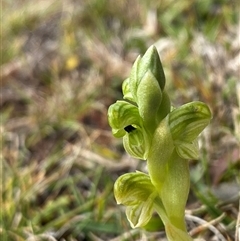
(149, 62)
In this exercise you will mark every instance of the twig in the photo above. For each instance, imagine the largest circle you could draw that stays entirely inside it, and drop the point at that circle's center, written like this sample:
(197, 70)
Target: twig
(206, 225)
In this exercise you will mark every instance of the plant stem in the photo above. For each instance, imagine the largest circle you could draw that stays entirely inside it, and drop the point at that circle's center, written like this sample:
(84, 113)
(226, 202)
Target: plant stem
(173, 233)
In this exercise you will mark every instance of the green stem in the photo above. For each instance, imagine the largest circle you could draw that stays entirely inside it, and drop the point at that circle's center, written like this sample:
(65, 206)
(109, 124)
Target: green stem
(173, 233)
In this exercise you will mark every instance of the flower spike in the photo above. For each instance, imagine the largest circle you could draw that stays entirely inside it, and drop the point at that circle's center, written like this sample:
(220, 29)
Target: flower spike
(166, 137)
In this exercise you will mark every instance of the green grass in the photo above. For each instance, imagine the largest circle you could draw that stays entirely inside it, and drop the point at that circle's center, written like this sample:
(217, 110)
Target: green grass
(62, 65)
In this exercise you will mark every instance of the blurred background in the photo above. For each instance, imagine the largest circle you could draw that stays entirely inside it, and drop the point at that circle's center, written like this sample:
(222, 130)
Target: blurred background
(62, 65)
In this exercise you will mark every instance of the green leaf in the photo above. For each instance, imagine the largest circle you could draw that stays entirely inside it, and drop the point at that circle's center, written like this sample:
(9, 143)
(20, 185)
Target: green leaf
(160, 152)
(164, 107)
(176, 234)
(149, 96)
(151, 61)
(175, 189)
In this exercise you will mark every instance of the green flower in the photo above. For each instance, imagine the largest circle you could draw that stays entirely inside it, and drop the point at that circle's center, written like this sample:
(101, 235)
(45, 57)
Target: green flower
(126, 122)
(145, 104)
(186, 123)
(146, 85)
(149, 62)
(165, 137)
(121, 115)
(136, 192)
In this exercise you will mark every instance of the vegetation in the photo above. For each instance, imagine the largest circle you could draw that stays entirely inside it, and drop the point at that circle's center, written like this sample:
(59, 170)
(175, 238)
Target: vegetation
(62, 65)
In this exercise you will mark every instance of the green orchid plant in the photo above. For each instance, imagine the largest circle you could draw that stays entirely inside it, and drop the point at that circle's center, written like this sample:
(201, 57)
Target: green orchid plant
(164, 136)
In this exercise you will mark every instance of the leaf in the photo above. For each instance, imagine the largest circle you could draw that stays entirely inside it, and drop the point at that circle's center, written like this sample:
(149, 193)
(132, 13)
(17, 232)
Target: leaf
(149, 96)
(151, 61)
